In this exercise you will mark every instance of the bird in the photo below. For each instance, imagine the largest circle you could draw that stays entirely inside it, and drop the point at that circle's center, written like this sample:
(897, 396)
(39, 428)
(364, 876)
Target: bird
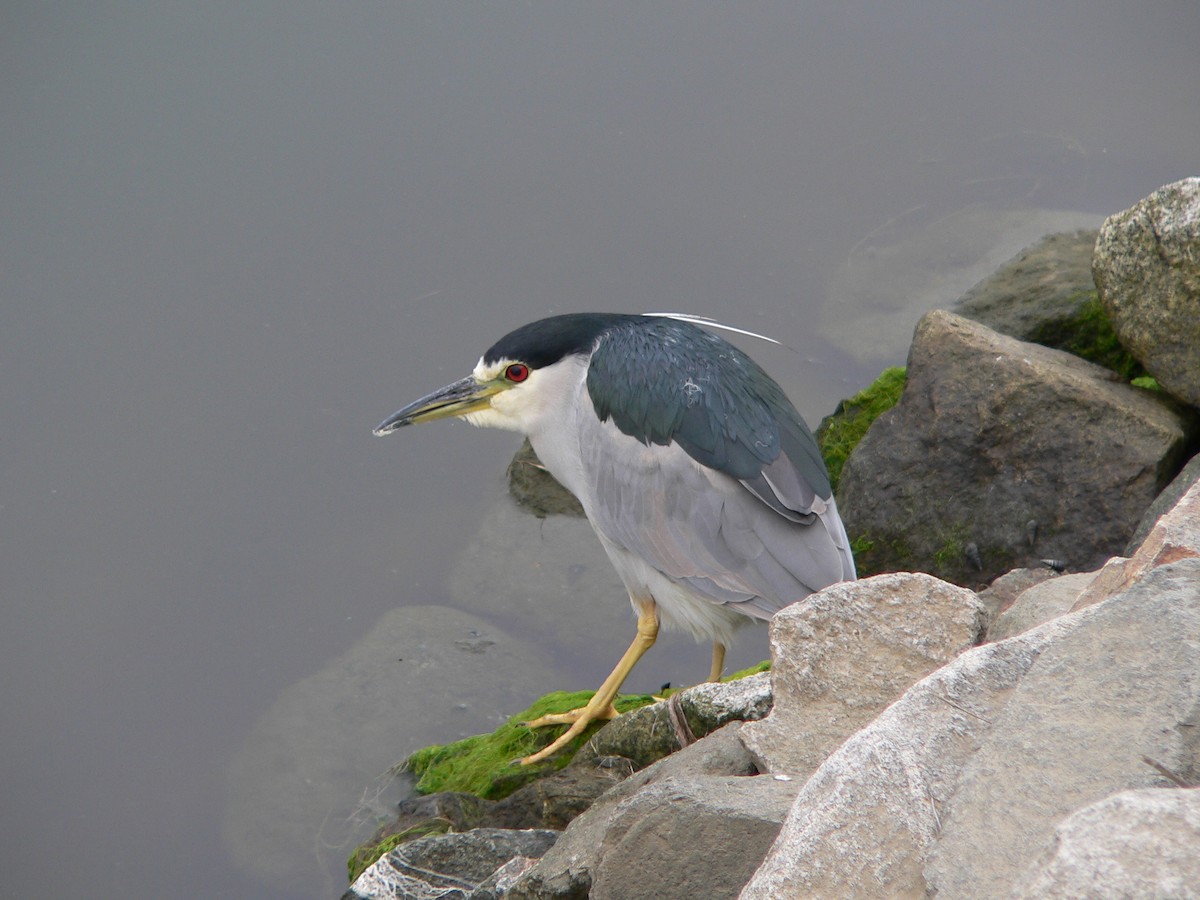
(703, 483)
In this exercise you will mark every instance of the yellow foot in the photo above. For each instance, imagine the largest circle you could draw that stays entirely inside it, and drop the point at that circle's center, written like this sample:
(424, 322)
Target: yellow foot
(580, 719)
(570, 718)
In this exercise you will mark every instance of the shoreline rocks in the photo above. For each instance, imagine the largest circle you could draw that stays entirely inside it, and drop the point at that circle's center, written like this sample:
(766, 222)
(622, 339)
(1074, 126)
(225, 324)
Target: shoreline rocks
(887, 754)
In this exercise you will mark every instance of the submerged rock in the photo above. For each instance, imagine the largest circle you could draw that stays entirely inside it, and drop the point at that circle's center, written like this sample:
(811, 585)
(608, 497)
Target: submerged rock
(1040, 294)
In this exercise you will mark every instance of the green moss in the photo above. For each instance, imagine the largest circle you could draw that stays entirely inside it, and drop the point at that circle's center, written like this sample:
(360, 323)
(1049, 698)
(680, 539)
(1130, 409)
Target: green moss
(1146, 382)
(840, 433)
(1089, 334)
(484, 764)
(949, 555)
(861, 546)
(764, 666)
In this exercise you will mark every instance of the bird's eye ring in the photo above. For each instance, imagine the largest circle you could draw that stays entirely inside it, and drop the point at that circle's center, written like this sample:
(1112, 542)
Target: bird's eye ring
(516, 373)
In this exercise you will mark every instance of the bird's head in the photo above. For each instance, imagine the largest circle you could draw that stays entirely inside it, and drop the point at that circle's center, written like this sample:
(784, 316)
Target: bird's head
(526, 378)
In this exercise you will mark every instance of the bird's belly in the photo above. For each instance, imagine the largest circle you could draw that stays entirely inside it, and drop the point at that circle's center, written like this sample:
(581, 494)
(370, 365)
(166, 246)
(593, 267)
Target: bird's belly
(680, 608)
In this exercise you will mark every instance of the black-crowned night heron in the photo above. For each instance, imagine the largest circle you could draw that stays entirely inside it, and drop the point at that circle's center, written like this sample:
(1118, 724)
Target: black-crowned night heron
(702, 481)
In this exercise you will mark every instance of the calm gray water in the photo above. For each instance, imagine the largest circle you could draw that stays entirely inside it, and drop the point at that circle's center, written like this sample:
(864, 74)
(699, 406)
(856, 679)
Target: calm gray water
(236, 235)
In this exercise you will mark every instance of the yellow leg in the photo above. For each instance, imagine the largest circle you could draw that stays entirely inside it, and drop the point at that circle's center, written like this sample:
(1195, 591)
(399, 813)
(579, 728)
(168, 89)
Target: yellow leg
(718, 662)
(601, 704)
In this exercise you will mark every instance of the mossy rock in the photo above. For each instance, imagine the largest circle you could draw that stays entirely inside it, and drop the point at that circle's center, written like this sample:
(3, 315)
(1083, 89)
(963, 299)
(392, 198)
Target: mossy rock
(1089, 334)
(839, 433)
(473, 773)
(483, 764)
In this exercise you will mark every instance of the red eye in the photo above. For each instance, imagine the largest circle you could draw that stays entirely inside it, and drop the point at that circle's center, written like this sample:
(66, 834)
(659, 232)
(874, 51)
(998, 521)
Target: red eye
(516, 373)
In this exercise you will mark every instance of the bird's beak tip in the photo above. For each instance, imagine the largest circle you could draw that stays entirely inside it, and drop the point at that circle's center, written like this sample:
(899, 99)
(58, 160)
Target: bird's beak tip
(389, 425)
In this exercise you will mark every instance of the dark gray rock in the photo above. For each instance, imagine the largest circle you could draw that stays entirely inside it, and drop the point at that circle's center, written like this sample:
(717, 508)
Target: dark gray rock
(992, 434)
(536, 490)
(1147, 268)
(720, 754)
(554, 800)
(1037, 296)
(446, 866)
(698, 836)
(894, 275)
(497, 885)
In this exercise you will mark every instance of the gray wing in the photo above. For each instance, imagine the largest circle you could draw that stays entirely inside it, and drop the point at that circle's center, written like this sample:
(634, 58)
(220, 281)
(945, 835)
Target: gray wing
(707, 530)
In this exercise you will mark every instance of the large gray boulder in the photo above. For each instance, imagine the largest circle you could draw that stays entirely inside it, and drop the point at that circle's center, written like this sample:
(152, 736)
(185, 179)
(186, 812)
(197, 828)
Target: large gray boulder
(840, 656)
(1136, 844)
(1001, 453)
(961, 783)
(1147, 268)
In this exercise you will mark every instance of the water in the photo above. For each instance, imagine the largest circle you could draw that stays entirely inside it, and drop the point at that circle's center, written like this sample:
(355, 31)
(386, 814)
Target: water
(235, 237)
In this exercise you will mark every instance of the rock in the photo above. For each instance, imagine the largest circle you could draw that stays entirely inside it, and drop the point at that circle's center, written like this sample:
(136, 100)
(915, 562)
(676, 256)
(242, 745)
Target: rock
(496, 886)
(1003, 592)
(961, 782)
(700, 836)
(452, 810)
(719, 754)
(1038, 295)
(536, 490)
(649, 734)
(1164, 502)
(446, 866)
(1147, 268)
(631, 742)
(1136, 844)
(1022, 434)
(554, 800)
(1039, 604)
(1176, 535)
(840, 656)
